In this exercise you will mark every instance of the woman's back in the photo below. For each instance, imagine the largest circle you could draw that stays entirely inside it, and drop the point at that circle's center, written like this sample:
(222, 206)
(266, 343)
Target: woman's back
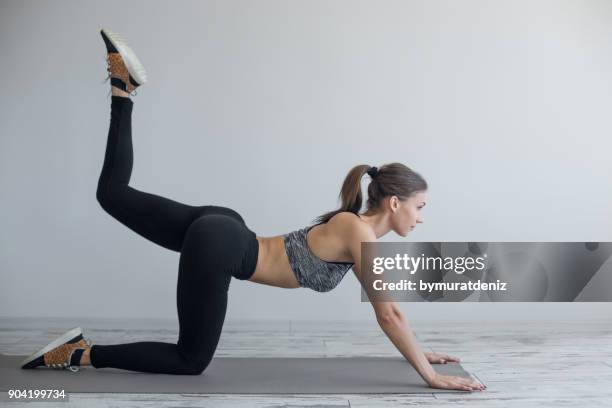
(314, 256)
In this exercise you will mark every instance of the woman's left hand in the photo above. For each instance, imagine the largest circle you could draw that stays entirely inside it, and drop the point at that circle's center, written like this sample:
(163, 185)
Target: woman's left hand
(439, 358)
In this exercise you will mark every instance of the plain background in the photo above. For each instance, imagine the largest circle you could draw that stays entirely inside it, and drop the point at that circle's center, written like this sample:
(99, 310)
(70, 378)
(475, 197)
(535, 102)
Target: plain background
(263, 106)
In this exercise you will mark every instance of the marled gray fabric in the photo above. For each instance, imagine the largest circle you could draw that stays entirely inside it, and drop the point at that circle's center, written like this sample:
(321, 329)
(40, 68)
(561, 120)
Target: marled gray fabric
(311, 271)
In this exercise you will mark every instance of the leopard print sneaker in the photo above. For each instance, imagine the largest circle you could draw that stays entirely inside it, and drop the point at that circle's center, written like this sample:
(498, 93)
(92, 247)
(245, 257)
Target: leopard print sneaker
(63, 352)
(125, 70)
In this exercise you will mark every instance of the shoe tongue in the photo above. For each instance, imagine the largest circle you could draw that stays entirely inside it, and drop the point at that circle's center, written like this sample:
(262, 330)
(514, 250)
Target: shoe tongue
(75, 359)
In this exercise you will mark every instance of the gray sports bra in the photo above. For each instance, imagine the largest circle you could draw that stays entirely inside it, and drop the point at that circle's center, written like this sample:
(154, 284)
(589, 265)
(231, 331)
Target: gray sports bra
(311, 271)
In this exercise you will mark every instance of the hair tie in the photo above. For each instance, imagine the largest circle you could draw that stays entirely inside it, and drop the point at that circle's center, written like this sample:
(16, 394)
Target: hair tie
(373, 171)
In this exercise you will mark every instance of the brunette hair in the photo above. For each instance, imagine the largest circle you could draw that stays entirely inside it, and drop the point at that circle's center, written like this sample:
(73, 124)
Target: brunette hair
(392, 179)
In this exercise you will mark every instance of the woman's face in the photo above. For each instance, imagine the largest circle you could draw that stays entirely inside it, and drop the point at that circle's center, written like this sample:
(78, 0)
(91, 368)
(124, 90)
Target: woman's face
(408, 213)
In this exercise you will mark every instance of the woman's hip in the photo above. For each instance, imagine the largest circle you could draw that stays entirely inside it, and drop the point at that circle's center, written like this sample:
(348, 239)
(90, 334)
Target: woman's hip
(220, 242)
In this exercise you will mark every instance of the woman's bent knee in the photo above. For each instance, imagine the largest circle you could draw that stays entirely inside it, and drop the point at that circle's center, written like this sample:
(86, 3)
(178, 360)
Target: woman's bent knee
(104, 195)
(104, 201)
(199, 369)
(108, 194)
(194, 366)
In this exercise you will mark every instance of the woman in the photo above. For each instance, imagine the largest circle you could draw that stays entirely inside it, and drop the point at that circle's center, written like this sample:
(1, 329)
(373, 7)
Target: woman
(215, 245)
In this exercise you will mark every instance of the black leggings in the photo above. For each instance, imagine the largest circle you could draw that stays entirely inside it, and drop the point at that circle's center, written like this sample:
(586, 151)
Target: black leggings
(214, 242)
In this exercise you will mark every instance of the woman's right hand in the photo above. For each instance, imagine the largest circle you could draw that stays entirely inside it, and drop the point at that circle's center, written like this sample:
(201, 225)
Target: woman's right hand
(450, 382)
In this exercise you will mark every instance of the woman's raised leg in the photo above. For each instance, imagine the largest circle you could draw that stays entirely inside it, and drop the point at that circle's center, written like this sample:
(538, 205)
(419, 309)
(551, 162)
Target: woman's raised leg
(158, 219)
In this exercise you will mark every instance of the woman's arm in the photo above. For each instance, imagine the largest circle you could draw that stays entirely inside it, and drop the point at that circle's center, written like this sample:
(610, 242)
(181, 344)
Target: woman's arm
(398, 330)
(393, 323)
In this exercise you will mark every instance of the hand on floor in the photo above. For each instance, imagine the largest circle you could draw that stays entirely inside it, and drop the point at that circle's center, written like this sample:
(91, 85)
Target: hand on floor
(439, 358)
(451, 382)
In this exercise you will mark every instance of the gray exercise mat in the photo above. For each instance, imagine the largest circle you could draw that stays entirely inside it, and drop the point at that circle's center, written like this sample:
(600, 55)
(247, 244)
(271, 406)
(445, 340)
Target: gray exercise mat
(237, 375)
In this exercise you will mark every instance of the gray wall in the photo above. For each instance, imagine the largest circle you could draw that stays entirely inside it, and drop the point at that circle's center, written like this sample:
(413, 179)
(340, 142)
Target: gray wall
(263, 106)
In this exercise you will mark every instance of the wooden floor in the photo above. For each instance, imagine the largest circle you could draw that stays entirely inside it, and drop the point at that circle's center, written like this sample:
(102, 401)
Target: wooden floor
(523, 364)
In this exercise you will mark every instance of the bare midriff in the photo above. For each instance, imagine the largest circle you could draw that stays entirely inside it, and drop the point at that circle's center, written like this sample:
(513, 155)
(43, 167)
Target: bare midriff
(273, 266)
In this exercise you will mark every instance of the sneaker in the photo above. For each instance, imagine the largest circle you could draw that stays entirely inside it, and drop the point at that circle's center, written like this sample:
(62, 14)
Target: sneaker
(63, 352)
(124, 69)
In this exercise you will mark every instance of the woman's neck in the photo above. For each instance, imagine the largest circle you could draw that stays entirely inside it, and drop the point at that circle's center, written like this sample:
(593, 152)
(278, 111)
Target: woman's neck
(378, 222)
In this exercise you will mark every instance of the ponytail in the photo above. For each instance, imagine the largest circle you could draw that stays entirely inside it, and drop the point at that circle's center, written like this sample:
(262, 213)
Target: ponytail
(350, 194)
(391, 179)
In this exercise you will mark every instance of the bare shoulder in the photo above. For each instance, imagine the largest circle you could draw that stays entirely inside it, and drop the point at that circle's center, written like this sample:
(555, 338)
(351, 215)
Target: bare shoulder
(349, 227)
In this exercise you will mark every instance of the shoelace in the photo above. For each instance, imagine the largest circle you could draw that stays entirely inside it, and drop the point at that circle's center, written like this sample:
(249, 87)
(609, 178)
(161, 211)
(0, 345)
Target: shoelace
(67, 364)
(108, 76)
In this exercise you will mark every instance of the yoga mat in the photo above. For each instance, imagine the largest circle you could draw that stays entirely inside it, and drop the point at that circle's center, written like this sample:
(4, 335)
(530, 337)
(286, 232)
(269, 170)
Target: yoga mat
(237, 375)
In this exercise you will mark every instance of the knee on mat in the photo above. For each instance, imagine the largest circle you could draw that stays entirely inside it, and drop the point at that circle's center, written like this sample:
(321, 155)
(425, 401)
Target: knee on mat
(195, 366)
(193, 363)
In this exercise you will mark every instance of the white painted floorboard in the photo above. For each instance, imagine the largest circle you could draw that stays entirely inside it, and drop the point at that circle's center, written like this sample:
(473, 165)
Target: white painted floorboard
(524, 364)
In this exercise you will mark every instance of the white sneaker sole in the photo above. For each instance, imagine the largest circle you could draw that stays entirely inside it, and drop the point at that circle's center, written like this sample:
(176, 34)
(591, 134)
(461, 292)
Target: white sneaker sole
(132, 63)
(69, 335)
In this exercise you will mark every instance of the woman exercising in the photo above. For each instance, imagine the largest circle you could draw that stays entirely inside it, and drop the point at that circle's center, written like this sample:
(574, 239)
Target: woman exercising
(215, 245)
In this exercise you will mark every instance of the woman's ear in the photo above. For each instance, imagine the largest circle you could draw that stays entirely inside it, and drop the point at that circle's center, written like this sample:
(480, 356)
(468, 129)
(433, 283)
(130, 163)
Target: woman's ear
(394, 203)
